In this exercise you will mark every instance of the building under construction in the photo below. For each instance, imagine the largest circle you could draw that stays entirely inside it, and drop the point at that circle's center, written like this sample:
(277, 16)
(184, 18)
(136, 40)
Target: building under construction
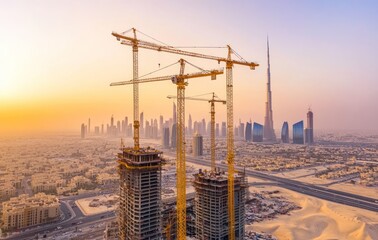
(211, 205)
(140, 194)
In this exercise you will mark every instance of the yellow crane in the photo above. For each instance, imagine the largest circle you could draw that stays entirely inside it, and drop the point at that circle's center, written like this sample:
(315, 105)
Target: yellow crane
(179, 80)
(135, 43)
(212, 102)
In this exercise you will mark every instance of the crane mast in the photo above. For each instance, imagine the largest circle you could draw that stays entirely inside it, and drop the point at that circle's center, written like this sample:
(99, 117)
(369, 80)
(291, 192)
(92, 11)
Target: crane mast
(135, 92)
(212, 102)
(230, 146)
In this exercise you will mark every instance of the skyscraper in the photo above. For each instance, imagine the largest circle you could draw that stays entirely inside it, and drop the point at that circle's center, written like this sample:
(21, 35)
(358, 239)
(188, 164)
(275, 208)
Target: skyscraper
(224, 129)
(309, 131)
(165, 137)
(257, 132)
(190, 125)
(248, 132)
(241, 130)
(285, 133)
(298, 133)
(89, 126)
(197, 145)
(217, 130)
(174, 113)
(83, 130)
(174, 136)
(269, 134)
(141, 122)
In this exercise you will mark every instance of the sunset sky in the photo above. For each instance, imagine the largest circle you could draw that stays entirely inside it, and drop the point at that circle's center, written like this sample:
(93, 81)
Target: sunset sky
(57, 59)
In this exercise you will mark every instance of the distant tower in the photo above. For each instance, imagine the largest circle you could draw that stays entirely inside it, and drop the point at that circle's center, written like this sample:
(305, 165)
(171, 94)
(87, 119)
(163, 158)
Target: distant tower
(141, 121)
(223, 129)
(174, 113)
(89, 126)
(241, 130)
(190, 123)
(165, 137)
(111, 121)
(285, 133)
(174, 136)
(197, 145)
(257, 132)
(309, 131)
(102, 129)
(248, 132)
(83, 130)
(298, 133)
(269, 134)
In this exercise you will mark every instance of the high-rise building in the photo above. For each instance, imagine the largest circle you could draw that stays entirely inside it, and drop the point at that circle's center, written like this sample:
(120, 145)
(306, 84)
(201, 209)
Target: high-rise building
(248, 132)
(161, 125)
(174, 136)
(309, 131)
(174, 113)
(112, 121)
(257, 132)
(224, 129)
(269, 133)
(165, 137)
(241, 130)
(298, 137)
(102, 129)
(83, 130)
(140, 194)
(89, 126)
(197, 145)
(203, 127)
(210, 205)
(285, 133)
(190, 125)
(141, 121)
(97, 130)
(217, 130)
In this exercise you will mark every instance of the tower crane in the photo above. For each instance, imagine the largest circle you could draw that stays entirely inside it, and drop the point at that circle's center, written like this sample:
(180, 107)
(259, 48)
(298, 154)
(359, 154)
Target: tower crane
(179, 80)
(212, 102)
(135, 43)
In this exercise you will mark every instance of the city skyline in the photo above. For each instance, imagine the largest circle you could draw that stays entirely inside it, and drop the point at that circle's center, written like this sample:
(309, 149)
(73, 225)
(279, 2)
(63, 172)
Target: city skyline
(323, 57)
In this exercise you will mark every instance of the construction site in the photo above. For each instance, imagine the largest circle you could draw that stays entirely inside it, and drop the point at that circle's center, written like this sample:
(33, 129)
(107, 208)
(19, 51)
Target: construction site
(219, 196)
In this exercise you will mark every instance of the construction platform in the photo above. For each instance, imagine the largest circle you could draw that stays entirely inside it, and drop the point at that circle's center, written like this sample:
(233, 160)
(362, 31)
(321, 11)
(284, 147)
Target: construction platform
(211, 212)
(140, 194)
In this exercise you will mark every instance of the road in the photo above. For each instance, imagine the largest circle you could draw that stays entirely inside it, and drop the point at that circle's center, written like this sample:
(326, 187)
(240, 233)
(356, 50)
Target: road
(300, 187)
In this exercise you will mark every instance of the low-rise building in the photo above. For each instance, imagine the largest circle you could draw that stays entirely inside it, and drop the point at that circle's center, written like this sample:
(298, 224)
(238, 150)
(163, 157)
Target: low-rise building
(24, 211)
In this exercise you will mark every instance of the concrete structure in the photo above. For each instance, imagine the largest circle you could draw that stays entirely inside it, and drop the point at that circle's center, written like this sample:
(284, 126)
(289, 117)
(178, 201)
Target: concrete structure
(285, 133)
(224, 129)
(140, 194)
(309, 131)
(24, 211)
(197, 145)
(210, 207)
(241, 130)
(269, 134)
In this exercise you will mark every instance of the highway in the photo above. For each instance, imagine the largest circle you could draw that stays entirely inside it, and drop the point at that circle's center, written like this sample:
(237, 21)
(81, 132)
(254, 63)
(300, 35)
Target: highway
(304, 188)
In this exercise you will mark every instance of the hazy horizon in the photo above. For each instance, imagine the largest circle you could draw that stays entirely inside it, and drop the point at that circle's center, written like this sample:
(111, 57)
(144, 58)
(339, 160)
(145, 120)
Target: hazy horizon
(55, 67)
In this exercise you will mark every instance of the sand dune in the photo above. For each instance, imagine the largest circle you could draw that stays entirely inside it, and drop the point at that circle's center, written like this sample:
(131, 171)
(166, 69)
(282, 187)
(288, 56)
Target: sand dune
(321, 220)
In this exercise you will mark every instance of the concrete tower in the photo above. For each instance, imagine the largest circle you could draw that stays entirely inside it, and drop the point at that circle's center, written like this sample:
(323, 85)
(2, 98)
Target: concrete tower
(269, 134)
(174, 113)
(309, 131)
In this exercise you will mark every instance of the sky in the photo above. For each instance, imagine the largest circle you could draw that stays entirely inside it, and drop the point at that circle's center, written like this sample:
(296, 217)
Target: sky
(57, 59)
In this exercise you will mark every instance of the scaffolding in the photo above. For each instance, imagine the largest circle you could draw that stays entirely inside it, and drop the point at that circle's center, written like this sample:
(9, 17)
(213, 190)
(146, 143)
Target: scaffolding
(211, 211)
(140, 194)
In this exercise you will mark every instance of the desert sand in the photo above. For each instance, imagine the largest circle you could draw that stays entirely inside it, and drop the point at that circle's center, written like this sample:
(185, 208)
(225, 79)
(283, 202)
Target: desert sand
(320, 220)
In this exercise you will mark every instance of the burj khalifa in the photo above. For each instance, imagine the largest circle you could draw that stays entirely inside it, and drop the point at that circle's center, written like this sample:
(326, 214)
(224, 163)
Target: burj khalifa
(269, 134)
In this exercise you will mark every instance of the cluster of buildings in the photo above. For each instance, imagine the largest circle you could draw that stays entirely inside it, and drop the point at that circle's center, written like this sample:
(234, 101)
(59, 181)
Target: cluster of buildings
(25, 211)
(35, 167)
